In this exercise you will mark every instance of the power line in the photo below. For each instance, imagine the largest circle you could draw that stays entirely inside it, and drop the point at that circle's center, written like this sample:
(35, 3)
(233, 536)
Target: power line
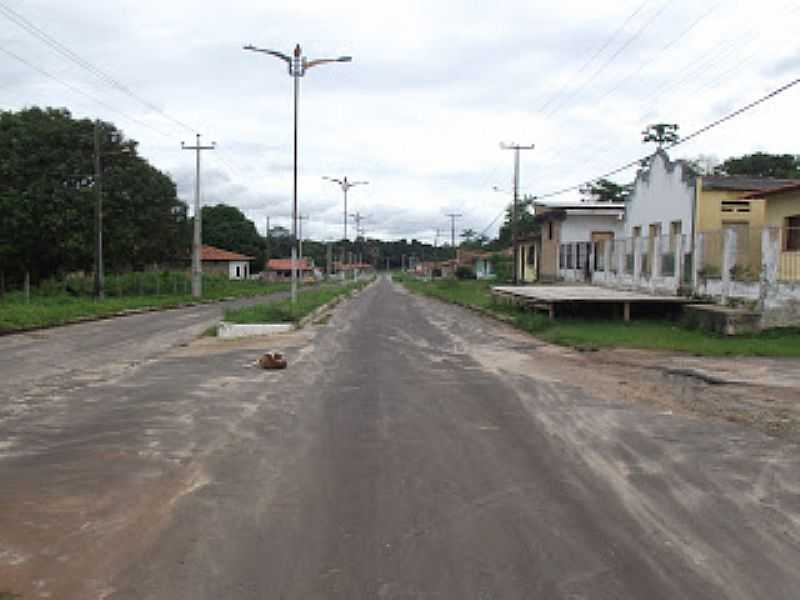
(611, 59)
(597, 53)
(66, 52)
(683, 140)
(77, 90)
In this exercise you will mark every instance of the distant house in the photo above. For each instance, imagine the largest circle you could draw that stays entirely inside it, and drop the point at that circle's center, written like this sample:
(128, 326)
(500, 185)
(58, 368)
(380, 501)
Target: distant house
(225, 262)
(280, 269)
(478, 261)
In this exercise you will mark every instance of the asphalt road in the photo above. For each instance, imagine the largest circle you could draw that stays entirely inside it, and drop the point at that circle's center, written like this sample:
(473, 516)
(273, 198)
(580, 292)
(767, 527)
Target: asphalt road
(411, 450)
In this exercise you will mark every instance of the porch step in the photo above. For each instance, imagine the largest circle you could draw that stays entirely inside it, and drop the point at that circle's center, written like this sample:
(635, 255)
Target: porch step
(722, 319)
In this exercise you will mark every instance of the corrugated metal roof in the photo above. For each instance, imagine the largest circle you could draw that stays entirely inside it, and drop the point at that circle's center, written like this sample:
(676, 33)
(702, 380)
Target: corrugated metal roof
(744, 183)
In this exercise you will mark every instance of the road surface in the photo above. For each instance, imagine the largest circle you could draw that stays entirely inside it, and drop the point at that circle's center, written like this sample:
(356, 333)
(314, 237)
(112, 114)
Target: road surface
(411, 450)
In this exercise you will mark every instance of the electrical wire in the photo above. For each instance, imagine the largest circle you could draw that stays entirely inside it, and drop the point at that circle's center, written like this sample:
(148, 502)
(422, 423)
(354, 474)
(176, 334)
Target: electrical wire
(78, 90)
(691, 136)
(67, 53)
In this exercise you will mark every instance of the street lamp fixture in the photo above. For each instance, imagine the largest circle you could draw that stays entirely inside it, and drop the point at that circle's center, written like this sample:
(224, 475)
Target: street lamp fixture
(345, 185)
(298, 65)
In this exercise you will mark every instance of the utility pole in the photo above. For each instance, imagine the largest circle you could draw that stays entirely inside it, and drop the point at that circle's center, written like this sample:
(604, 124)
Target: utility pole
(269, 241)
(197, 265)
(514, 210)
(300, 219)
(453, 217)
(99, 275)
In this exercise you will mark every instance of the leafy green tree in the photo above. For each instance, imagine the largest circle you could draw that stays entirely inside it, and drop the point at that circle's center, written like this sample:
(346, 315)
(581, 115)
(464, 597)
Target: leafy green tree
(526, 223)
(661, 134)
(47, 198)
(761, 164)
(605, 190)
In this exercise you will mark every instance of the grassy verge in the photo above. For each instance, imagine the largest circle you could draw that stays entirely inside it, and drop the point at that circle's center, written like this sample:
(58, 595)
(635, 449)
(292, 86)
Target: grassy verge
(58, 308)
(647, 334)
(283, 311)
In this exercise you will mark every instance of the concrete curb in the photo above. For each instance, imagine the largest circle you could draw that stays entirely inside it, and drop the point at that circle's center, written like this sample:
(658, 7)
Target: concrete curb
(317, 312)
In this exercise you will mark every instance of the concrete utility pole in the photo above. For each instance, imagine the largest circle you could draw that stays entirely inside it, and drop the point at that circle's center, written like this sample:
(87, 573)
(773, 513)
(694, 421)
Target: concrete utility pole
(269, 241)
(300, 219)
(453, 217)
(358, 217)
(436, 239)
(99, 275)
(298, 65)
(197, 265)
(514, 210)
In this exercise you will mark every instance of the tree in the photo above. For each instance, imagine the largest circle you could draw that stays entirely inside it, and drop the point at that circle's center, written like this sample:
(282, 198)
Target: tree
(703, 164)
(228, 228)
(661, 133)
(761, 164)
(605, 190)
(526, 223)
(47, 198)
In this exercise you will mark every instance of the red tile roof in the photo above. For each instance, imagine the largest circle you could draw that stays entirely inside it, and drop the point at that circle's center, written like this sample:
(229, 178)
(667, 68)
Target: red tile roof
(211, 254)
(285, 264)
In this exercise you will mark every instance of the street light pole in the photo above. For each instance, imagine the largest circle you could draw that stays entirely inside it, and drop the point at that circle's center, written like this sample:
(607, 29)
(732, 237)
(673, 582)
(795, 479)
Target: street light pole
(345, 185)
(298, 64)
(99, 275)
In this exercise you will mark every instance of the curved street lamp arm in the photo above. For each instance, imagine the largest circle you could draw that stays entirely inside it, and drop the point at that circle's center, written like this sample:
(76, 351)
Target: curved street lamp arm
(339, 181)
(322, 61)
(274, 53)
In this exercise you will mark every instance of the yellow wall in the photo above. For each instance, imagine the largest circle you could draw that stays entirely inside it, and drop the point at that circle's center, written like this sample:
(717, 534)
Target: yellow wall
(710, 217)
(780, 206)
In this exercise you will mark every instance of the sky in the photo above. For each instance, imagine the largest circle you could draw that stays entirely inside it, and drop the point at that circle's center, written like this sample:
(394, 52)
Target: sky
(421, 111)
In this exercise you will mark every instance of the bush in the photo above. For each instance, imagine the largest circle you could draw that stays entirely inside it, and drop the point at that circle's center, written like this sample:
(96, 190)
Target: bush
(464, 272)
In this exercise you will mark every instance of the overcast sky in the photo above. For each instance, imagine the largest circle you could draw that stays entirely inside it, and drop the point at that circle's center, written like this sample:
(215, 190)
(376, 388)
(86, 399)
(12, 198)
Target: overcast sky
(433, 89)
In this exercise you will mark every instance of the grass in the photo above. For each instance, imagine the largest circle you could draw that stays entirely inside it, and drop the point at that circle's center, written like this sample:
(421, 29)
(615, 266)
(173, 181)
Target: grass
(595, 334)
(283, 311)
(49, 306)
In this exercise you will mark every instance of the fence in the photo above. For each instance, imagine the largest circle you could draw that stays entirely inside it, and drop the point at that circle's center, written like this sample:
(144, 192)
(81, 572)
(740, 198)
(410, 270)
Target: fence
(151, 283)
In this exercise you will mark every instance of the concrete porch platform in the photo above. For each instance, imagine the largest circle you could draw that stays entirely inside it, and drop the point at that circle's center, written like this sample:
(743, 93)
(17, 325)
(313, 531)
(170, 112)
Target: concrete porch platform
(549, 298)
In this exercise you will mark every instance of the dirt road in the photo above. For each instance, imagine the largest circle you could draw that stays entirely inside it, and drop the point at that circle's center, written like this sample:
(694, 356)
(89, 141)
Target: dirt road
(411, 450)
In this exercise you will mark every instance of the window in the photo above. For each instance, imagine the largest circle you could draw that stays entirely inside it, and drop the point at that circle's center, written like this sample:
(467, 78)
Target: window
(735, 206)
(238, 272)
(792, 234)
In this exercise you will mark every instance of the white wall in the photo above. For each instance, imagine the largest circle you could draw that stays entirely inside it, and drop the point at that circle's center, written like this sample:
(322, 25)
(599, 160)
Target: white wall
(244, 269)
(579, 228)
(662, 196)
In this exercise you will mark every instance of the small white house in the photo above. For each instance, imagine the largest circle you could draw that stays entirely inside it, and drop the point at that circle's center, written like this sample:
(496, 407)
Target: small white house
(568, 230)
(224, 262)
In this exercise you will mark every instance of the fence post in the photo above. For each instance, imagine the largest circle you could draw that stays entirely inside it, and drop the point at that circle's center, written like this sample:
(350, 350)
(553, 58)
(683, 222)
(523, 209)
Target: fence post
(621, 258)
(728, 261)
(697, 260)
(770, 256)
(655, 263)
(637, 259)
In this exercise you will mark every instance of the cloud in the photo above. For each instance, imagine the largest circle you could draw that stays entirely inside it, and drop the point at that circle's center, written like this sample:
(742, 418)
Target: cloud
(432, 90)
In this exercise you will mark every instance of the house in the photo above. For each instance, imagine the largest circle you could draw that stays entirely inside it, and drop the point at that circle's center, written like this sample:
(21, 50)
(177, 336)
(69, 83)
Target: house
(232, 264)
(781, 210)
(352, 270)
(280, 269)
(480, 262)
(562, 247)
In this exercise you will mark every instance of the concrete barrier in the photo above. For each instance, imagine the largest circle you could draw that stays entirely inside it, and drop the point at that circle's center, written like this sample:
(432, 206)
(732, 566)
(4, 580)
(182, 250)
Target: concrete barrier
(236, 330)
